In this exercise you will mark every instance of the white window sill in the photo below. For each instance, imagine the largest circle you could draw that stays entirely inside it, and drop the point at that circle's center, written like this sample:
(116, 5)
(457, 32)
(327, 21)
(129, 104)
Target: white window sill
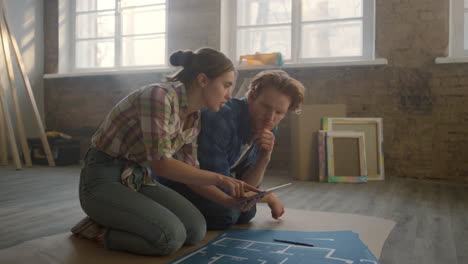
(379, 61)
(105, 72)
(445, 60)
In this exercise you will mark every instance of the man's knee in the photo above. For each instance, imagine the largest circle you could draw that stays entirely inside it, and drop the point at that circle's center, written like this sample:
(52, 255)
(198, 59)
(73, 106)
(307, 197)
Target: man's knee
(222, 218)
(245, 217)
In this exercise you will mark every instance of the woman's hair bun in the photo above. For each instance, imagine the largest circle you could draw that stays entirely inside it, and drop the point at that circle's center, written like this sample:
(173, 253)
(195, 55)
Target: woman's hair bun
(181, 58)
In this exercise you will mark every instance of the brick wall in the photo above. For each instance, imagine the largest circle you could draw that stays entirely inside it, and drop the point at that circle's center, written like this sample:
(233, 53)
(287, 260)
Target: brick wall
(423, 104)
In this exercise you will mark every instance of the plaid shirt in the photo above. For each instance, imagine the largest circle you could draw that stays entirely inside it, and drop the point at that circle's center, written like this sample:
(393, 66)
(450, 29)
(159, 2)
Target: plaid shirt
(222, 136)
(146, 126)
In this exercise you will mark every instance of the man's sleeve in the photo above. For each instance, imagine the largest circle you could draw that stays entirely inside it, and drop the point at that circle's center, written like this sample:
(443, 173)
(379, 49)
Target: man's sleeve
(213, 142)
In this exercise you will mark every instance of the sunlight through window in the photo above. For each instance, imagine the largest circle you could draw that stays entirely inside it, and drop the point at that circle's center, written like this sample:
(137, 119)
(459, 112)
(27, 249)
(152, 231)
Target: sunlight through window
(119, 34)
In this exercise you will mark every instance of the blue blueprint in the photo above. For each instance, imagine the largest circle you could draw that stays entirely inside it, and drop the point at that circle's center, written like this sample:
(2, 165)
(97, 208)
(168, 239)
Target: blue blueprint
(242, 246)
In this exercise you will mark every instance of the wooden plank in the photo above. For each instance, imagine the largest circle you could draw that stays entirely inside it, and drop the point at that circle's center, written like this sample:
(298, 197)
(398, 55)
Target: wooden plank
(3, 141)
(11, 133)
(30, 93)
(14, 95)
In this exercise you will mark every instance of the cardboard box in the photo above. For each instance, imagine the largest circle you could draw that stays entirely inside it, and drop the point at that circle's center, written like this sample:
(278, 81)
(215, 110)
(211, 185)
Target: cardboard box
(304, 129)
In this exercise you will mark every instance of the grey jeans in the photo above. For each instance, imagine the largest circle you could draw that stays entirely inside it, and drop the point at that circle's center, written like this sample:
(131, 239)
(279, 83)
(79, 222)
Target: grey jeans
(154, 220)
(217, 216)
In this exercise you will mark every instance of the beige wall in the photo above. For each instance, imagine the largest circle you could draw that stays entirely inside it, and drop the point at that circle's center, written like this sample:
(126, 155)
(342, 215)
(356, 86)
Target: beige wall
(422, 104)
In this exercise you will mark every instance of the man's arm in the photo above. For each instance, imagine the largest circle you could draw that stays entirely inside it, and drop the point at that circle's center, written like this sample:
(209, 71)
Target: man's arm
(254, 174)
(265, 141)
(212, 142)
(275, 204)
(214, 194)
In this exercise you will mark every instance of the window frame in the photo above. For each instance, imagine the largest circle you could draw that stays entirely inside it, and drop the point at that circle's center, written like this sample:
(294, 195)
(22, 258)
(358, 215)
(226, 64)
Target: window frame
(229, 41)
(457, 29)
(117, 38)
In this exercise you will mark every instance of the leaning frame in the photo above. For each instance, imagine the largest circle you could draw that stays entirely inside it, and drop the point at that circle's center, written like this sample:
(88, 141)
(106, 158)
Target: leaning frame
(359, 135)
(330, 123)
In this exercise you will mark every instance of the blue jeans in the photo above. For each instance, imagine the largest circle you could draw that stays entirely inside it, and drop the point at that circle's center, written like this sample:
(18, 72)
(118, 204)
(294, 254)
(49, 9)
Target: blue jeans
(154, 220)
(217, 216)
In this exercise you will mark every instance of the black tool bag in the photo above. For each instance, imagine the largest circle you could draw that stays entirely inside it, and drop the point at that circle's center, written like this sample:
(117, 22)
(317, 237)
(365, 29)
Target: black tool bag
(64, 151)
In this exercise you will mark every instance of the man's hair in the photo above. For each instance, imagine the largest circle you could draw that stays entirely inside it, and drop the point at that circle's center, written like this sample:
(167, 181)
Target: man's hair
(282, 82)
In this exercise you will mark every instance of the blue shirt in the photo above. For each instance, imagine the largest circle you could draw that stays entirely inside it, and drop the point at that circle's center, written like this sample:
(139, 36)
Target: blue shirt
(222, 135)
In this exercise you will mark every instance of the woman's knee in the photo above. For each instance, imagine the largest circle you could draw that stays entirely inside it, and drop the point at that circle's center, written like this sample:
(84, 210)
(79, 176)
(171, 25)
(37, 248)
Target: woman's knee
(170, 240)
(196, 229)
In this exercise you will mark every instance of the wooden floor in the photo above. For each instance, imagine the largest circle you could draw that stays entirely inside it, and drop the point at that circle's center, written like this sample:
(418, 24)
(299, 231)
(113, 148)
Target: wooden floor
(432, 219)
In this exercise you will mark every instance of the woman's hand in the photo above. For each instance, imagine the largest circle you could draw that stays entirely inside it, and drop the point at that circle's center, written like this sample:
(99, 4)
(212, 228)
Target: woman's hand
(236, 188)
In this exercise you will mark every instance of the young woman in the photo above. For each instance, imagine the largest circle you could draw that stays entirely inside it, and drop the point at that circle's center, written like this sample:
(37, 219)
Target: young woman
(154, 127)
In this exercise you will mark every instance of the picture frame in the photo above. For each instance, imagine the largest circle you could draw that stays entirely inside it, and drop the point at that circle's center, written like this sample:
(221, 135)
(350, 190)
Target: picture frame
(373, 129)
(346, 159)
(322, 155)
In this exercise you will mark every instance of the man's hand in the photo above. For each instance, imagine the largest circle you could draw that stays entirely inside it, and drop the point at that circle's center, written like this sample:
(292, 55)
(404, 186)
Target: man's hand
(276, 206)
(265, 140)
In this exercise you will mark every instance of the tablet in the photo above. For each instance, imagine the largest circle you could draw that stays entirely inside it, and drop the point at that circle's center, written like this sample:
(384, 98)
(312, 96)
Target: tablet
(261, 194)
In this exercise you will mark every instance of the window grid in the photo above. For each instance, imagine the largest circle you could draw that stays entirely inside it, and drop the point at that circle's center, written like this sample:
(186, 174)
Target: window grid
(117, 38)
(458, 29)
(297, 25)
(117, 34)
(465, 26)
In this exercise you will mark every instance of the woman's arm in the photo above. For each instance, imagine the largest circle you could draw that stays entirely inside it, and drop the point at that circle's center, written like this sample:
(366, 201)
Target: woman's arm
(214, 194)
(179, 171)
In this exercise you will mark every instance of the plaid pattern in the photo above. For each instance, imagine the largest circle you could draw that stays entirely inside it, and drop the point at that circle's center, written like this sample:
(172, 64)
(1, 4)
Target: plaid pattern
(146, 126)
(222, 135)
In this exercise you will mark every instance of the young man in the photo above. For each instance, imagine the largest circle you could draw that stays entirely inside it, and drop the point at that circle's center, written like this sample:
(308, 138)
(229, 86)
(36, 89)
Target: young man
(238, 141)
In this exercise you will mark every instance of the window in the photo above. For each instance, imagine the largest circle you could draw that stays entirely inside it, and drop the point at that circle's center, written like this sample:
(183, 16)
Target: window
(302, 30)
(459, 28)
(109, 34)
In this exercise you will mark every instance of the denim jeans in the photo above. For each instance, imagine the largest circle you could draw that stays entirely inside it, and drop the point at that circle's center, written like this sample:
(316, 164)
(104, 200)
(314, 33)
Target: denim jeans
(154, 220)
(217, 216)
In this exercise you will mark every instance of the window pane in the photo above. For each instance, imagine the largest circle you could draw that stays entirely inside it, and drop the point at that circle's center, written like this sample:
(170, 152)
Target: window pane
(261, 12)
(93, 5)
(147, 50)
(330, 9)
(264, 40)
(127, 3)
(144, 20)
(332, 40)
(466, 31)
(94, 53)
(95, 25)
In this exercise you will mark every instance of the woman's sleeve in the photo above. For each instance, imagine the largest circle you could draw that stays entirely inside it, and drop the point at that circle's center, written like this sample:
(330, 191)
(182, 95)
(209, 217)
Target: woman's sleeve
(189, 152)
(156, 111)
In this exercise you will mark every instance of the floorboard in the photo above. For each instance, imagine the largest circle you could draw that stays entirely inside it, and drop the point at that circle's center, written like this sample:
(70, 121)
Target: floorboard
(432, 218)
